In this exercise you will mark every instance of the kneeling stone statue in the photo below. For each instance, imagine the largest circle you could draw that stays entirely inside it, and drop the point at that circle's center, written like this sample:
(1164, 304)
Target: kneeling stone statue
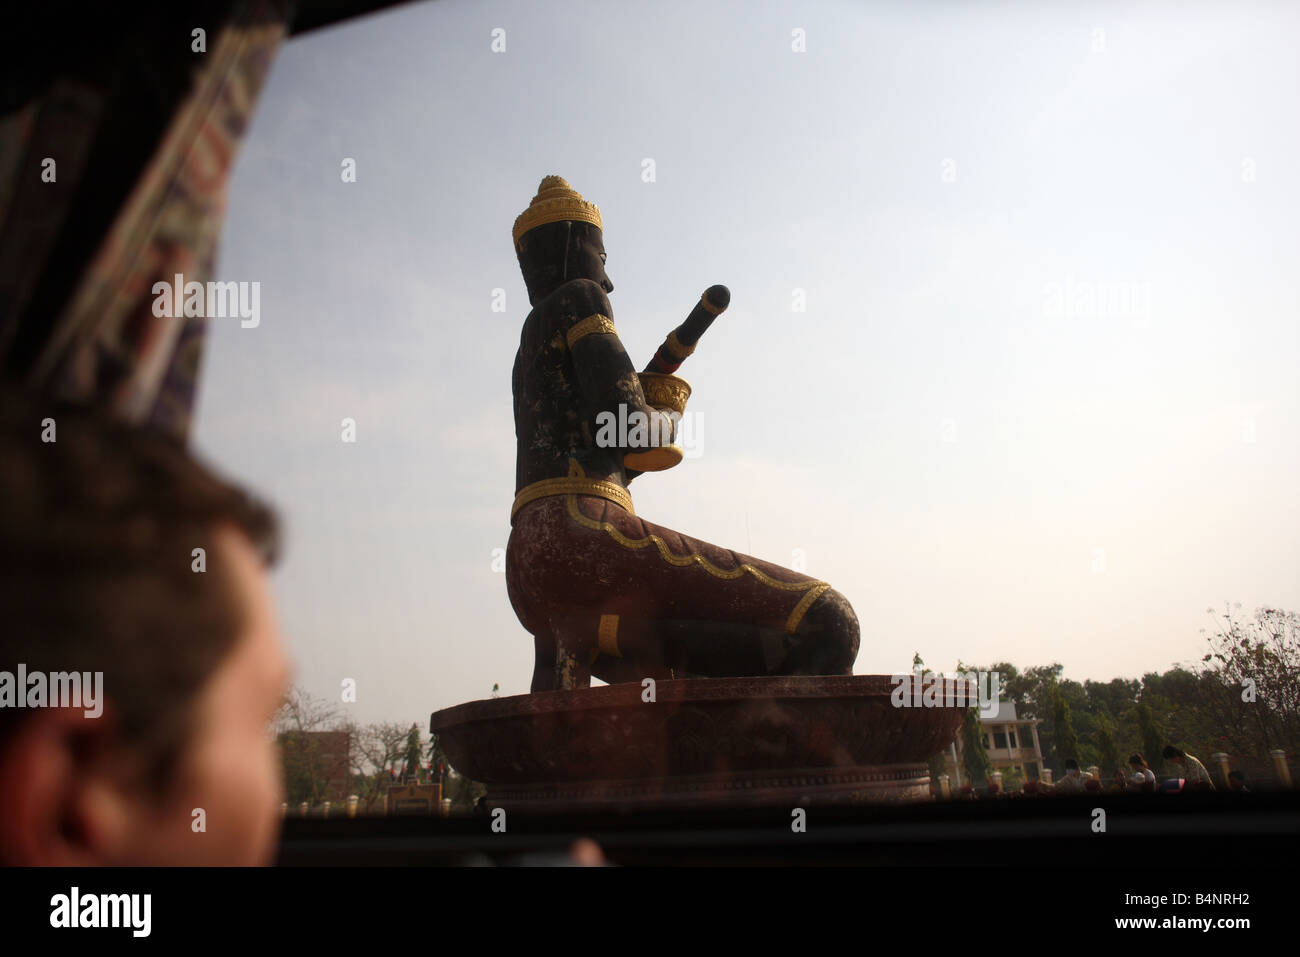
(603, 591)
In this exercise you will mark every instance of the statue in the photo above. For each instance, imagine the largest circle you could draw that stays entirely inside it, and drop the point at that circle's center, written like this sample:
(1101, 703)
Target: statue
(603, 591)
(771, 714)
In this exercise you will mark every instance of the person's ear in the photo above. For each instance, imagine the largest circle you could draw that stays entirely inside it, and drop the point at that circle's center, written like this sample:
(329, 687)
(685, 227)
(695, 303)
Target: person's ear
(59, 802)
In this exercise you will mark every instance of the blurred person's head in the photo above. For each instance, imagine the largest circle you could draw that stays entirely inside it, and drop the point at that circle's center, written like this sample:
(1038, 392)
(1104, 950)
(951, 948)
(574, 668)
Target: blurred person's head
(1136, 761)
(1236, 780)
(100, 524)
(1072, 766)
(1174, 754)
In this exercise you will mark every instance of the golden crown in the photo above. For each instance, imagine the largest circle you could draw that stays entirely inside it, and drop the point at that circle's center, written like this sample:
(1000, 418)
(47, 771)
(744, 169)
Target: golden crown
(556, 201)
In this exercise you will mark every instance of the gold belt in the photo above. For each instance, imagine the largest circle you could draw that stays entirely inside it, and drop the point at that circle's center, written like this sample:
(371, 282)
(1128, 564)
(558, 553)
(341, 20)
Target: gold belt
(572, 486)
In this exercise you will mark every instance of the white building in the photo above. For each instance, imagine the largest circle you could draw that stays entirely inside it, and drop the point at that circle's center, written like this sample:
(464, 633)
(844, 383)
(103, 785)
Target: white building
(1011, 742)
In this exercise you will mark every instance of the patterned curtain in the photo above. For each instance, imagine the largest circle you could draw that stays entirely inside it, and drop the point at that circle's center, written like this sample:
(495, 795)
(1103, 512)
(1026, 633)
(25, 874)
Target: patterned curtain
(142, 145)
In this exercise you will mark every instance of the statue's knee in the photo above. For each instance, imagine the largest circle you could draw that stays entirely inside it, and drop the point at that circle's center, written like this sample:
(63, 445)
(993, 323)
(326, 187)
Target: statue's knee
(834, 624)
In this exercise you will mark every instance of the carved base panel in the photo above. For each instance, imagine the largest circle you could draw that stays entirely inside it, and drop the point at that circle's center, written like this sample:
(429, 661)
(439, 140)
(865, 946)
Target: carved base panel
(789, 789)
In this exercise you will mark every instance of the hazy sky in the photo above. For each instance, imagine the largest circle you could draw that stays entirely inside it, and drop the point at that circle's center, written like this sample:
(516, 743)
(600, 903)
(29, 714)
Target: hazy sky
(1041, 404)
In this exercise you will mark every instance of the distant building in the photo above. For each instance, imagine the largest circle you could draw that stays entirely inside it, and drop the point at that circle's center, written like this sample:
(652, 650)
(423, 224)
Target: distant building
(1011, 742)
(318, 762)
(413, 799)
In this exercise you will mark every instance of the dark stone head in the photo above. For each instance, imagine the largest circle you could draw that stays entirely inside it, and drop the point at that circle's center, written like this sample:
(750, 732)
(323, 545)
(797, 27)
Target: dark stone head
(554, 253)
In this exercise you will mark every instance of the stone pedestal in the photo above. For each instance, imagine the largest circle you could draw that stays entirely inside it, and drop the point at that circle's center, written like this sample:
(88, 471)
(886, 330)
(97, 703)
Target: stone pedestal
(724, 742)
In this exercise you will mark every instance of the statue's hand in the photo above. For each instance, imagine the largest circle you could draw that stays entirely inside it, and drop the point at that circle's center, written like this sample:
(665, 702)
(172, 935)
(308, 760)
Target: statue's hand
(661, 434)
(667, 429)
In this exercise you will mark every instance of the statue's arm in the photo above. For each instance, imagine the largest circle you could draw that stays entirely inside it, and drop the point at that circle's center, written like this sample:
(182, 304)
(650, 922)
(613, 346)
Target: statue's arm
(606, 377)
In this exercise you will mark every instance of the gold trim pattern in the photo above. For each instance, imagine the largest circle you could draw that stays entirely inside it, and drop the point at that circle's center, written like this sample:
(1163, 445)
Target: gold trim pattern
(709, 307)
(679, 351)
(610, 491)
(796, 615)
(607, 636)
(556, 202)
(812, 589)
(592, 325)
(664, 391)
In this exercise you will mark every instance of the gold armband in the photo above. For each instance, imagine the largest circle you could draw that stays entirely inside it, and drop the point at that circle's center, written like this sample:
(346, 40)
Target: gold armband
(592, 325)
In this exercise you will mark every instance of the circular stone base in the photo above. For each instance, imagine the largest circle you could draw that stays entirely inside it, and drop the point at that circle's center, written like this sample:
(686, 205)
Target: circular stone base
(805, 788)
(700, 742)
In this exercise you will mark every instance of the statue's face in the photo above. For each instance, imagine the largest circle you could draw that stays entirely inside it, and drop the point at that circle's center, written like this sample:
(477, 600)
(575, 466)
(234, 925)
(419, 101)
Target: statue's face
(587, 256)
(547, 262)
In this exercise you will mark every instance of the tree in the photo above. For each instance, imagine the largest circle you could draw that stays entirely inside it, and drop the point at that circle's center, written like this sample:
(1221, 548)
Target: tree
(413, 754)
(297, 724)
(1008, 681)
(975, 759)
(379, 747)
(1250, 680)
(437, 757)
(1181, 701)
(1114, 697)
(1030, 689)
(462, 791)
(1083, 721)
(1109, 761)
(1064, 743)
(1153, 739)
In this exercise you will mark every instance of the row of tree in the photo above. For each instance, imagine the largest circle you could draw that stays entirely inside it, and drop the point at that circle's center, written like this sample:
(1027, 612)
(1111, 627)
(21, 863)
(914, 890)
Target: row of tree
(1242, 697)
(328, 757)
